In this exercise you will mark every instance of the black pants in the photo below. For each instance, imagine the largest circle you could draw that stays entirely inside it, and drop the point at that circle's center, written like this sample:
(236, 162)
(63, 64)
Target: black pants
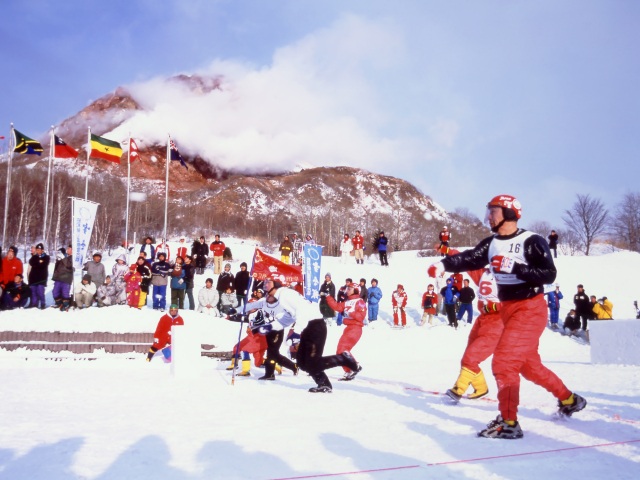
(450, 308)
(383, 257)
(583, 317)
(310, 359)
(274, 342)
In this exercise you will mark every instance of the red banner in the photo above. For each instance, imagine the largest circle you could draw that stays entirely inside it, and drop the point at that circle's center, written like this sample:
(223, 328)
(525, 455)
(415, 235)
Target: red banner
(265, 266)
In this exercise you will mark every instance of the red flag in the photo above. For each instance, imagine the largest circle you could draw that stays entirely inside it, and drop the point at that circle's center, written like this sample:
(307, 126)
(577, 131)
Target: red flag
(265, 266)
(62, 150)
(133, 150)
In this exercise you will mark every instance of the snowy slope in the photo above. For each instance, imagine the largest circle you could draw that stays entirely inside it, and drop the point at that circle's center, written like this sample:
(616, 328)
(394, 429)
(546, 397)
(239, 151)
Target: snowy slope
(115, 418)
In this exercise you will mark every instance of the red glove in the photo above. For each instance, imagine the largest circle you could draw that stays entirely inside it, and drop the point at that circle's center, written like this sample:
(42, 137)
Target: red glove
(435, 270)
(502, 264)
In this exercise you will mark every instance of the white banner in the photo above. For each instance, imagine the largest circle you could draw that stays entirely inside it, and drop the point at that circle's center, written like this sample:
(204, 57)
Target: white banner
(84, 215)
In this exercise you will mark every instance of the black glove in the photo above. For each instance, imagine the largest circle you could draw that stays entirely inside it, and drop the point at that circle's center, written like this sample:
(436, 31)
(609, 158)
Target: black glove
(238, 317)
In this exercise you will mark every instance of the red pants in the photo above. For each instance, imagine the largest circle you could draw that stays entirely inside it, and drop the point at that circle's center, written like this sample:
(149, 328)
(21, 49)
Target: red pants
(348, 340)
(255, 344)
(403, 315)
(482, 341)
(517, 354)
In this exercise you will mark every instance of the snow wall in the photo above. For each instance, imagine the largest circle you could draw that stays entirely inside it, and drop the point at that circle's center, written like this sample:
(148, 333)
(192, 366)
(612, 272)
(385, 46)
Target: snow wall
(615, 341)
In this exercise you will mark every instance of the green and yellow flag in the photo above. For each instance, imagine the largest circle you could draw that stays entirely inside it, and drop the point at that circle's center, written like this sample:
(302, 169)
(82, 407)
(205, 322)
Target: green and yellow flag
(105, 149)
(26, 145)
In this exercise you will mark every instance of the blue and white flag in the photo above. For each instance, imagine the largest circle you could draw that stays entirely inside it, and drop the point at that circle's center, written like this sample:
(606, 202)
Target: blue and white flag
(312, 259)
(84, 215)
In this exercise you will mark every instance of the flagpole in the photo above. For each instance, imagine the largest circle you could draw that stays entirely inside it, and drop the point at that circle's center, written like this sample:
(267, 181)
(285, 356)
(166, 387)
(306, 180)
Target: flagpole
(126, 223)
(166, 190)
(8, 186)
(86, 184)
(46, 200)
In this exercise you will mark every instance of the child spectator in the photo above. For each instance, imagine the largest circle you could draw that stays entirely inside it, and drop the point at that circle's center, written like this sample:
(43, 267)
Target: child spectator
(228, 302)
(429, 304)
(450, 297)
(399, 302)
(16, 293)
(133, 280)
(373, 300)
(178, 285)
(107, 293)
(208, 299)
(84, 292)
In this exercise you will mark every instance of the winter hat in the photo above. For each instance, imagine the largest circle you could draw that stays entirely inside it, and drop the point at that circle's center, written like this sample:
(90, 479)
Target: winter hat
(87, 277)
(356, 288)
(97, 254)
(40, 246)
(227, 265)
(14, 249)
(173, 306)
(327, 275)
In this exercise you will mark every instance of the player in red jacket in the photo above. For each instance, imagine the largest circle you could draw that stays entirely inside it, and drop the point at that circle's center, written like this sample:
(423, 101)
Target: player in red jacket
(162, 336)
(399, 302)
(354, 311)
(522, 264)
(217, 247)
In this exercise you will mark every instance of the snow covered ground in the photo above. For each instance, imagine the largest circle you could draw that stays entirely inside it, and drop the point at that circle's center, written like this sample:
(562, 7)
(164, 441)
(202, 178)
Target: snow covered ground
(122, 418)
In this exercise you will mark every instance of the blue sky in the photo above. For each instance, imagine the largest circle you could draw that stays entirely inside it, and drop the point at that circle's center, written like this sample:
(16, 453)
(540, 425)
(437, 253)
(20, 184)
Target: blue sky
(464, 99)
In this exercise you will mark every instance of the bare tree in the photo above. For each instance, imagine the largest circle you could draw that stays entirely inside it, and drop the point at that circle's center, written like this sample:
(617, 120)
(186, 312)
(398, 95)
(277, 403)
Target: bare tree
(540, 227)
(587, 219)
(626, 222)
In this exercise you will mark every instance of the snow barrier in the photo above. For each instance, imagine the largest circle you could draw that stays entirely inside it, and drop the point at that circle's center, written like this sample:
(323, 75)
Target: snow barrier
(615, 341)
(185, 351)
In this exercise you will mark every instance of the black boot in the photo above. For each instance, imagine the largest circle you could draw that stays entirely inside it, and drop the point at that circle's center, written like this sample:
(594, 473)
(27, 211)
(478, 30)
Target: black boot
(324, 385)
(269, 370)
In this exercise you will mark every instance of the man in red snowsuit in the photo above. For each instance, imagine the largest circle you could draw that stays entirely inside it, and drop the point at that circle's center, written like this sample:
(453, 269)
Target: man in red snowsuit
(162, 336)
(521, 263)
(354, 311)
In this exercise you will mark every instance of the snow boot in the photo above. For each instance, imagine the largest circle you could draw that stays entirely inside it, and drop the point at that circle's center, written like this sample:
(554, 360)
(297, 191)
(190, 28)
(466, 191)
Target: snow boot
(233, 364)
(571, 405)
(267, 377)
(349, 361)
(246, 369)
(479, 384)
(348, 376)
(500, 428)
(462, 383)
(324, 385)
(151, 353)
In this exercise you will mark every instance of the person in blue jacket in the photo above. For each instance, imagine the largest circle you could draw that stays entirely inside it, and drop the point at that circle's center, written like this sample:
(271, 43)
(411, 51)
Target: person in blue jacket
(374, 294)
(450, 296)
(553, 301)
(381, 245)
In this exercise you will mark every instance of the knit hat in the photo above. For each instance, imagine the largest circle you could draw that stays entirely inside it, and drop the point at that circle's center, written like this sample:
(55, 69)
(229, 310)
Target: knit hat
(14, 249)
(227, 265)
(40, 246)
(327, 275)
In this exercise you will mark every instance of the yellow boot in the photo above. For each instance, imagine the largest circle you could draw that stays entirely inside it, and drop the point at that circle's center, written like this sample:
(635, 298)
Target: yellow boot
(278, 369)
(232, 366)
(246, 369)
(462, 383)
(479, 384)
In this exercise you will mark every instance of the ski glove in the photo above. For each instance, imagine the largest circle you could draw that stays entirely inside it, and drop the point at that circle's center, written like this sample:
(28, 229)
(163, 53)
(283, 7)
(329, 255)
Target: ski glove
(502, 264)
(436, 270)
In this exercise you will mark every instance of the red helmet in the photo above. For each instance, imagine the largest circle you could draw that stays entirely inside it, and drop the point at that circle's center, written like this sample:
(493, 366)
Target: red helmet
(356, 288)
(511, 208)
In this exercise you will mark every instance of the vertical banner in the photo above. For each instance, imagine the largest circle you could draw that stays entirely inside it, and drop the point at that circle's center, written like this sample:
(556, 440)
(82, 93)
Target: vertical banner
(312, 259)
(83, 216)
